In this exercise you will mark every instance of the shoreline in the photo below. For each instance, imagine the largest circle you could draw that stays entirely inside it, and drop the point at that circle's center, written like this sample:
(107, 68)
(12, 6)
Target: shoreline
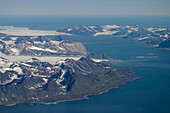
(81, 98)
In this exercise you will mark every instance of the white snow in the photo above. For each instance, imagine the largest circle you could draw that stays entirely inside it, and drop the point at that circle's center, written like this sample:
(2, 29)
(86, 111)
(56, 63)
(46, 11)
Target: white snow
(13, 38)
(22, 31)
(16, 51)
(56, 42)
(92, 27)
(87, 28)
(106, 30)
(111, 26)
(63, 87)
(134, 29)
(156, 45)
(16, 69)
(31, 60)
(127, 26)
(36, 75)
(107, 67)
(161, 29)
(99, 60)
(5, 63)
(14, 77)
(26, 64)
(160, 35)
(129, 31)
(61, 77)
(63, 73)
(31, 88)
(105, 33)
(69, 29)
(142, 38)
(37, 48)
(8, 42)
(166, 35)
(51, 60)
(48, 68)
(37, 42)
(45, 80)
(150, 29)
(61, 48)
(41, 49)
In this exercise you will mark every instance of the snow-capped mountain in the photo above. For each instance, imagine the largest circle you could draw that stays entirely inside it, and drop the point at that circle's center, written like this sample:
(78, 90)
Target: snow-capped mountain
(152, 35)
(37, 81)
(40, 46)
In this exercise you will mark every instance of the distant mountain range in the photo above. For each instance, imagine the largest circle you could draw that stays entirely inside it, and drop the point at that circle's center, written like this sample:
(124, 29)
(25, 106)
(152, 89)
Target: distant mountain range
(153, 36)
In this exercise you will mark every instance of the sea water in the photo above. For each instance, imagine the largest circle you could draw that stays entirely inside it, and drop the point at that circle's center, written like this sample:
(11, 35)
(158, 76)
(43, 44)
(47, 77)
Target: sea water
(65, 21)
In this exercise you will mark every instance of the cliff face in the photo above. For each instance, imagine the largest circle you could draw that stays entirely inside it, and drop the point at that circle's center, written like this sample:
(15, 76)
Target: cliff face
(76, 47)
(35, 81)
(5, 49)
(41, 46)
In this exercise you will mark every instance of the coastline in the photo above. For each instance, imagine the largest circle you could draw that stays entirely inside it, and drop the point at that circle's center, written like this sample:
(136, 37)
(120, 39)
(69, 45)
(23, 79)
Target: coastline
(74, 99)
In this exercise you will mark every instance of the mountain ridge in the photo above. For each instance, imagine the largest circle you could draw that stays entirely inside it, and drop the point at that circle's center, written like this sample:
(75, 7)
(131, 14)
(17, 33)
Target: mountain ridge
(34, 81)
(41, 46)
(153, 36)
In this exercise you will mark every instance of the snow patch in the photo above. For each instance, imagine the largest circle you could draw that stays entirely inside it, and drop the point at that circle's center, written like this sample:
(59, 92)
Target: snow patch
(61, 77)
(22, 31)
(41, 49)
(166, 35)
(111, 26)
(99, 60)
(142, 38)
(150, 29)
(16, 69)
(162, 29)
(56, 42)
(105, 33)
(69, 29)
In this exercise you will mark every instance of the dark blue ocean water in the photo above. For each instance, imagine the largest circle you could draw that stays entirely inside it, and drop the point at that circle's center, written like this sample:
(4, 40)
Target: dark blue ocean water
(63, 21)
(149, 94)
